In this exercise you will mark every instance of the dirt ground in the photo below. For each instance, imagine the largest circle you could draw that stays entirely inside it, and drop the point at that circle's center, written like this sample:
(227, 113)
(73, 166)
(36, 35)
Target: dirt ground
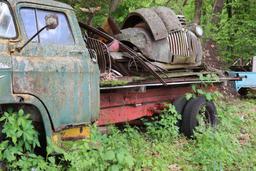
(214, 62)
(212, 57)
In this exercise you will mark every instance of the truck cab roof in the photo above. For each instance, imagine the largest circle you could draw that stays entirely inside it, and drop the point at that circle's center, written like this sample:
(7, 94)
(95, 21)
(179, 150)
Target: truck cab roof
(51, 3)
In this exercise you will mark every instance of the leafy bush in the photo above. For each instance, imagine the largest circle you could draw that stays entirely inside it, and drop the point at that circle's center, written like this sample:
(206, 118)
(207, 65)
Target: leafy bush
(164, 125)
(236, 33)
(207, 82)
(99, 152)
(19, 139)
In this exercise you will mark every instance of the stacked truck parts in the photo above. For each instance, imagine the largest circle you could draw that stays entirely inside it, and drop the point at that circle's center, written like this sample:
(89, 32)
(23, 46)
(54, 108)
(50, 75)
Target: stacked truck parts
(162, 36)
(152, 40)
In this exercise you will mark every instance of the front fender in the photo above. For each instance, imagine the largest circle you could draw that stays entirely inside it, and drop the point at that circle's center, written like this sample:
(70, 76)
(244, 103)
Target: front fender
(30, 99)
(8, 98)
(21, 99)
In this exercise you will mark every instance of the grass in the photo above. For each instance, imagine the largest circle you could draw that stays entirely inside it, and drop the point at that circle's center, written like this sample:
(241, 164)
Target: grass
(231, 146)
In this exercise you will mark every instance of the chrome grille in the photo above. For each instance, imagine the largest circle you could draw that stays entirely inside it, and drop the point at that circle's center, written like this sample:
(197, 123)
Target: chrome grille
(184, 43)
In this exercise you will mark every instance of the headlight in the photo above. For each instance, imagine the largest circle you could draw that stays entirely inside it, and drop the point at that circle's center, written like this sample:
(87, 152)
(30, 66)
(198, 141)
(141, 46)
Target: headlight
(198, 30)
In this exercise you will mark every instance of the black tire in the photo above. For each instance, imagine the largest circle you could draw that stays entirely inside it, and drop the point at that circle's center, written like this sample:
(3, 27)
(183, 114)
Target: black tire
(179, 105)
(191, 112)
(243, 92)
(1, 134)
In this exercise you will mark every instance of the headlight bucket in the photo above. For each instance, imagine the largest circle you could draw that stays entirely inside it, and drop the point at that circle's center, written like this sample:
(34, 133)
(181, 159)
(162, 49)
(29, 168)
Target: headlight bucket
(197, 29)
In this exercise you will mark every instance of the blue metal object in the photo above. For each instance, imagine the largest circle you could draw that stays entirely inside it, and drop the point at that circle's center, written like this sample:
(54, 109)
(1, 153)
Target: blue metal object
(248, 79)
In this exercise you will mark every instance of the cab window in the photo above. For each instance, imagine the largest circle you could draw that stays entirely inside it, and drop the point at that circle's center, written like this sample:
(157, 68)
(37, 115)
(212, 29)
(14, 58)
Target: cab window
(34, 20)
(7, 27)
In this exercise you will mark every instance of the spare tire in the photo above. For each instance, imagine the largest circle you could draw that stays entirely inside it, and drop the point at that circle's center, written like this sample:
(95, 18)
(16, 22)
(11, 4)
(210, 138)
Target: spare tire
(192, 111)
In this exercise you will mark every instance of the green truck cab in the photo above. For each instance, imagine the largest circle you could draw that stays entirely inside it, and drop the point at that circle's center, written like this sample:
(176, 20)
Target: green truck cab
(53, 77)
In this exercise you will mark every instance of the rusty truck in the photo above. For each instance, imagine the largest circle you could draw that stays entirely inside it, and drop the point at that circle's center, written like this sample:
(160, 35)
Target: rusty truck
(53, 70)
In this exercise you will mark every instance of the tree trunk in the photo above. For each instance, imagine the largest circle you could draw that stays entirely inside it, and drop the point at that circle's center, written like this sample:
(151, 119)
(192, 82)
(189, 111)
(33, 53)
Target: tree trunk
(217, 8)
(229, 8)
(113, 5)
(230, 15)
(185, 2)
(198, 11)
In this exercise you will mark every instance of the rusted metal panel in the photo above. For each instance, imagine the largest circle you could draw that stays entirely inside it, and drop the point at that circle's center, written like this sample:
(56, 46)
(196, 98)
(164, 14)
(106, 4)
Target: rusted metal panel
(169, 18)
(155, 50)
(5, 72)
(119, 106)
(64, 78)
(180, 47)
(117, 115)
(6, 90)
(5, 84)
(160, 21)
(127, 97)
(62, 83)
(75, 133)
(150, 17)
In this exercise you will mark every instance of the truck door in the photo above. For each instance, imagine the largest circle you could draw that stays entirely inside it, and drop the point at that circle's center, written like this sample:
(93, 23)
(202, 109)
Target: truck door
(56, 68)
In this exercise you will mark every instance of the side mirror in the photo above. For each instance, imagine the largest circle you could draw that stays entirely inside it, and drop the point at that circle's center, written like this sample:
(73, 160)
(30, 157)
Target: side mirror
(51, 21)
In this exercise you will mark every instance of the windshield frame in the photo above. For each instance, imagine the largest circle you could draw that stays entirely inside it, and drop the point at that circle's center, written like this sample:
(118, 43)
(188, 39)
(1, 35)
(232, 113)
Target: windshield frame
(39, 38)
(14, 22)
(69, 13)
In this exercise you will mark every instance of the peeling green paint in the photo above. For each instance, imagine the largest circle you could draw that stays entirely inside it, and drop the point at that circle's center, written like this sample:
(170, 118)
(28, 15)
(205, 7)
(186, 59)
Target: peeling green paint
(63, 79)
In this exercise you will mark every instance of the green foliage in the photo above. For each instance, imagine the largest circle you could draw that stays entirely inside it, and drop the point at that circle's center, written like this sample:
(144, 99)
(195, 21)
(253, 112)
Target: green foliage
(164, 125)
(19, 141)
(106, 83)
(210, 96)
(231, 146)
(207, 81)
(99, 152)
(19, 136)
(208, 78)
(99, 17)
(17, 127)
(125, 7)
(223, 148)
(236, 34)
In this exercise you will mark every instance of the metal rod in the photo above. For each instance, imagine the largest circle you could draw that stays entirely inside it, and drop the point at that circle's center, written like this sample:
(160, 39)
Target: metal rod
(29, 40)
(170, 83)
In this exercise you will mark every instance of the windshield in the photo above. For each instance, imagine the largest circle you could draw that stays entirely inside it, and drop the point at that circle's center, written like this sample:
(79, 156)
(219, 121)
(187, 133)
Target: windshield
(7, 27)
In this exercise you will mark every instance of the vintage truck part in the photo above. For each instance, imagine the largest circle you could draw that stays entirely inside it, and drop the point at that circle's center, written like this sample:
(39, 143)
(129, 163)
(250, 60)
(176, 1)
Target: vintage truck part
(48, 77)
(162, 37)
(248, 75)
(54, 79)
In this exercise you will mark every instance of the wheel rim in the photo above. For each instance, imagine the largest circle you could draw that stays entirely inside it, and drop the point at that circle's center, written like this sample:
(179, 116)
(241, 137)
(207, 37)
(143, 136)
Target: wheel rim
(203, 118)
